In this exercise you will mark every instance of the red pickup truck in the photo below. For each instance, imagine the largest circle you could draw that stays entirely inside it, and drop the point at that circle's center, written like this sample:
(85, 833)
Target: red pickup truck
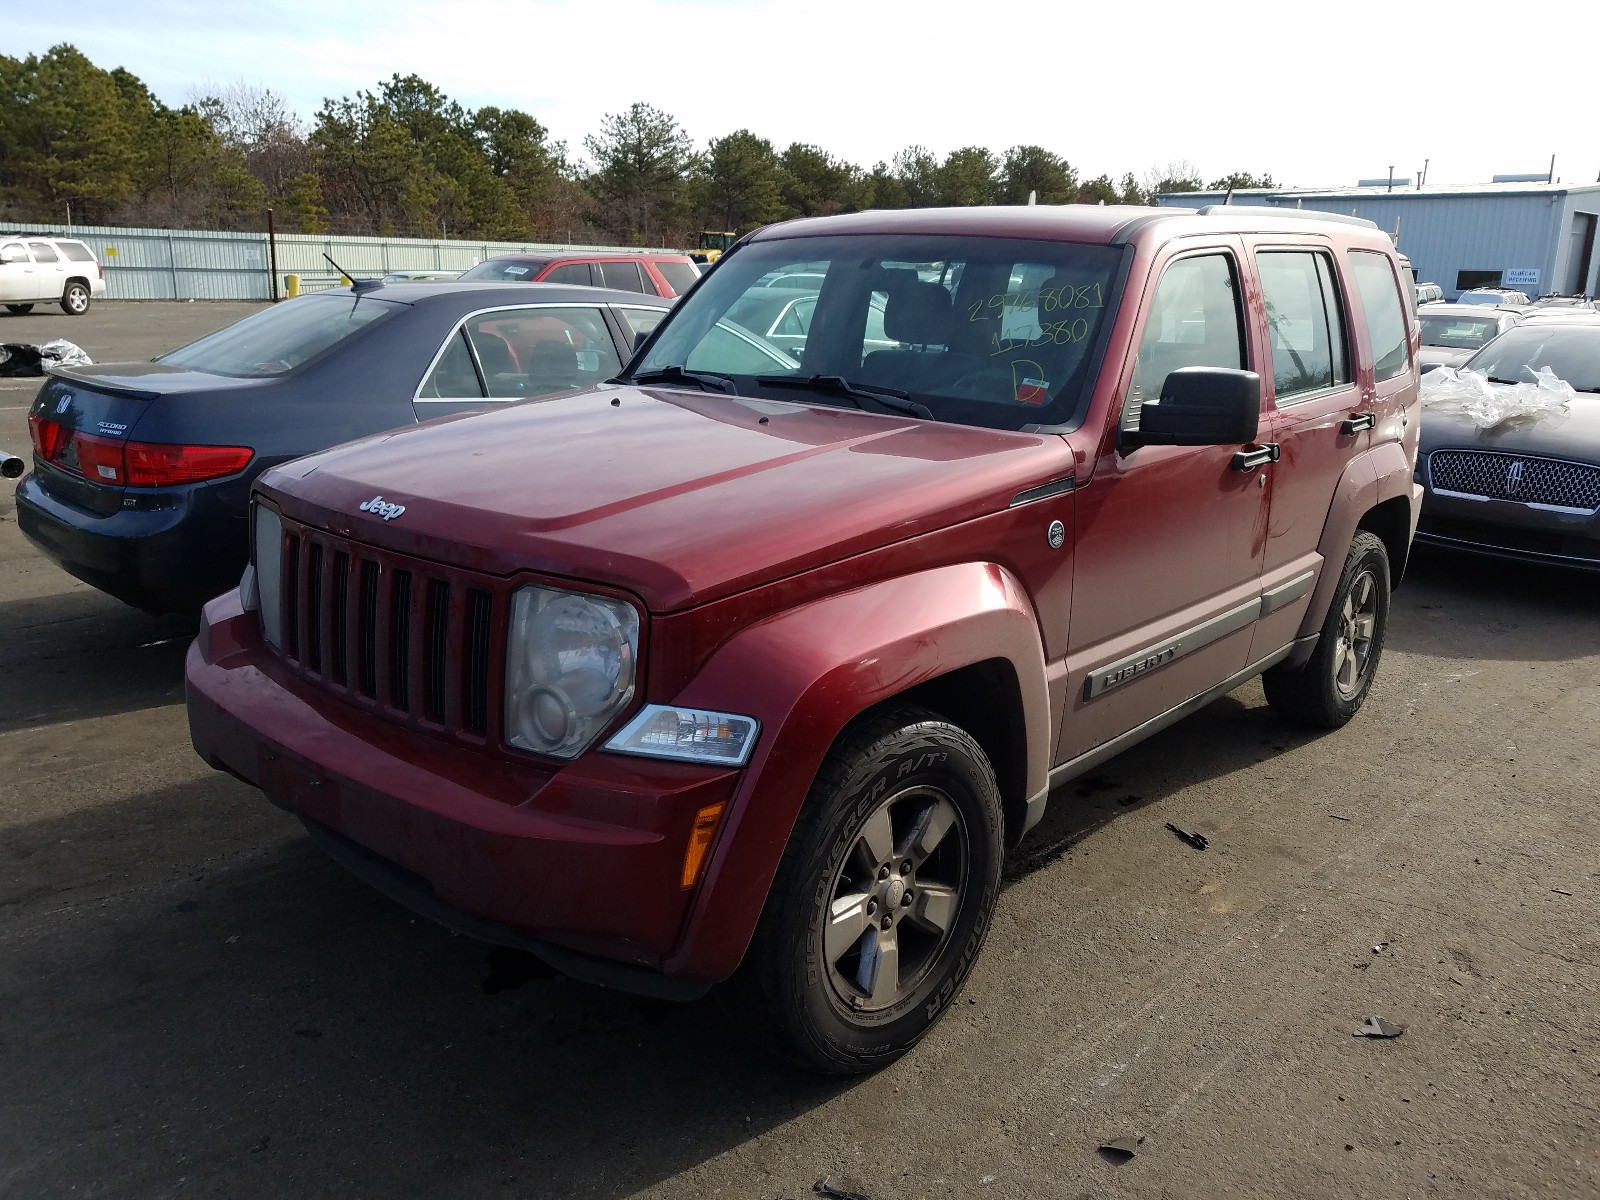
(767, 651)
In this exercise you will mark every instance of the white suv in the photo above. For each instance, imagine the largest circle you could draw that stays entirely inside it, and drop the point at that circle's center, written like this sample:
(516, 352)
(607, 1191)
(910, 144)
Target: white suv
(41, 269)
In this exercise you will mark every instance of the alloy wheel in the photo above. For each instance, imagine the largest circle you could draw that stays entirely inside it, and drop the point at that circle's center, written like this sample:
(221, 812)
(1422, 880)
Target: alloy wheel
(895, 899)
(1358, 621)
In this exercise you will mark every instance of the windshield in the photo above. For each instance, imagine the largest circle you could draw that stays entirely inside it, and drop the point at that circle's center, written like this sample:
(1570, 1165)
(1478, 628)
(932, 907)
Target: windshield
(999, 332)
(517, 270)
(1458, 333)
(283, 337)
(1571, 351)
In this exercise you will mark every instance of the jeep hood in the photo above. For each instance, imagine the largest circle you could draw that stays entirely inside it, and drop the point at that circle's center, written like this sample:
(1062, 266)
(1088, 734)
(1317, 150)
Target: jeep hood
(678, 497)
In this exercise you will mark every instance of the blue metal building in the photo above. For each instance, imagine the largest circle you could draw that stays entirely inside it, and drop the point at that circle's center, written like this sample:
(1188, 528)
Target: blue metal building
(1534, 236)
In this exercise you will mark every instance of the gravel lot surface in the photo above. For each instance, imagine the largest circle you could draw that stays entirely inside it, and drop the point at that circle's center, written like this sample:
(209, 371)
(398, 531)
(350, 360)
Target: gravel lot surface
(194, 1002)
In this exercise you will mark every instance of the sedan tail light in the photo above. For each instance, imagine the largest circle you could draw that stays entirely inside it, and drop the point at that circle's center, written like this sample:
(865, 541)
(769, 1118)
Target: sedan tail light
(133, 464)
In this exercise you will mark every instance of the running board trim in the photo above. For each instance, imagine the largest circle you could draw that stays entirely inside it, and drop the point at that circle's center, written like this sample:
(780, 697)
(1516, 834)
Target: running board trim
(1152, 658)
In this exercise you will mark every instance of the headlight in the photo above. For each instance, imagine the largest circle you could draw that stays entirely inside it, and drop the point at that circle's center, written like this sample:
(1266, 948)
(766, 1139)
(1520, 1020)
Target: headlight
(267, 556)
(570, 664)
(690, 734)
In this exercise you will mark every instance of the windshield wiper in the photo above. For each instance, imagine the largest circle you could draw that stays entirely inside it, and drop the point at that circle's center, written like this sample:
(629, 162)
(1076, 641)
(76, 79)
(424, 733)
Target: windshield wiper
(1496, 379)
(838, 385)
(708, 381)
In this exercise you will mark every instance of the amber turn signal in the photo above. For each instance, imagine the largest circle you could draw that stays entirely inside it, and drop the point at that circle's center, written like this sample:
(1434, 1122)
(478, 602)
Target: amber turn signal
(705, 828)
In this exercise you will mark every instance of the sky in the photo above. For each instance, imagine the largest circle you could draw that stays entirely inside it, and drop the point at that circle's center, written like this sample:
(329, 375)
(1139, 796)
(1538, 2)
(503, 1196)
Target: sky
(1314, 94)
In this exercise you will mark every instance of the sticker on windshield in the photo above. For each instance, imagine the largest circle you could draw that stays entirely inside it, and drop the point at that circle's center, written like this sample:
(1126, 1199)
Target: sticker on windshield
(519, 272)
(1028, 383)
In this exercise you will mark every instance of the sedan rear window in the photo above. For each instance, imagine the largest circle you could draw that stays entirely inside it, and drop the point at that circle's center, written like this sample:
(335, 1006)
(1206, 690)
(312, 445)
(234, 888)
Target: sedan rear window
(1458, 333)
(281, 338)
(509, 270)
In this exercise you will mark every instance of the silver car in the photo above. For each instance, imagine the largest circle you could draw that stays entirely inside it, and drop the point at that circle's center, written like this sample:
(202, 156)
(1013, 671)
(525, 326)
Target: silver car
(1452, 333)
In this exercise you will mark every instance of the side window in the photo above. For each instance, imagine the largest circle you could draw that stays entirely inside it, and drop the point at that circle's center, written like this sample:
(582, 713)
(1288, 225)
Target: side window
(525, 352)
(796, 319)
(569, 273)
(622, 275)
(13, 252)
(76, 251)
(42, 252)
(642, 320)
(1304, 321)
(1194, 321)
(1380, 303)
(453, 376)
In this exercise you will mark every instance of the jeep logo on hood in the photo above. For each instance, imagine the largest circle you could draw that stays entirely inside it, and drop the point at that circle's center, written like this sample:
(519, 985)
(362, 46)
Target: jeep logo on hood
(380, 507)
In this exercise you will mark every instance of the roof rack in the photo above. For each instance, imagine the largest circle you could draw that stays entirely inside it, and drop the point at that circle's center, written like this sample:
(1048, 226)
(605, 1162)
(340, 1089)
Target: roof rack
(1306, 214)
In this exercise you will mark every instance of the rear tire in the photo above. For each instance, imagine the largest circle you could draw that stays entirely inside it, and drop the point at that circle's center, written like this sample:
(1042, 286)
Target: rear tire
(893, 866)
(19, 309)
(1333, 684)
(75, 300)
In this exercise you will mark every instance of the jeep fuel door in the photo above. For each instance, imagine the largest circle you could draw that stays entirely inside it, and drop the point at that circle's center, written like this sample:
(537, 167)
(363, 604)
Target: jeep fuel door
(1312, 409)
(1170, 539)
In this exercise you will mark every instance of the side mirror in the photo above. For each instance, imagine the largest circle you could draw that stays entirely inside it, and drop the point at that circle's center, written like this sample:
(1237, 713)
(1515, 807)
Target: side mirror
(1201, 406)
(638, 339)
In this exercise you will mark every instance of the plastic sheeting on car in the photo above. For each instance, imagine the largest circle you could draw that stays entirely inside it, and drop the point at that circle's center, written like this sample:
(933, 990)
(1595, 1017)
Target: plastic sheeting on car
(1487, 405)
(22, 358)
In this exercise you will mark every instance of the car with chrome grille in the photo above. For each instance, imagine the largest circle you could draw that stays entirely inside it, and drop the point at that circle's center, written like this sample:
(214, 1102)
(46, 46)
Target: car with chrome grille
(1530, 488)
(767, 657)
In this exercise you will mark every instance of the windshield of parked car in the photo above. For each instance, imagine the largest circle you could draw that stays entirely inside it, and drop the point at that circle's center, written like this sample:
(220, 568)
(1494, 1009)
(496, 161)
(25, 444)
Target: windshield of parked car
(283, 337)
(513, 270)
(1571, 351)
(1001, 332)
(1458, 332)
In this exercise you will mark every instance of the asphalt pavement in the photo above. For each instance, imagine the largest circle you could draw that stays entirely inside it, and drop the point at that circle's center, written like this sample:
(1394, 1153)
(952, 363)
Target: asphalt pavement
(193, 1001)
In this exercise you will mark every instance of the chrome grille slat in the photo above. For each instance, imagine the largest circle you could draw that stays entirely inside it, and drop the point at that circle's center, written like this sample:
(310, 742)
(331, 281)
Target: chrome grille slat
(1519, 478)
(414, 640)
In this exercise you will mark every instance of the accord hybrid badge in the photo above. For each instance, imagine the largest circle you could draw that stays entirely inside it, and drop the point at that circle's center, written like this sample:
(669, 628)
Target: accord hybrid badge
(380, 507)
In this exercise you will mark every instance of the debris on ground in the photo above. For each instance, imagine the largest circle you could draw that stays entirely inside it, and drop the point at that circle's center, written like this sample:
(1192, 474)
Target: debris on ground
(1337, 817)
(1380, 947)
(1561, 891)
(1119, 1150)
(823, 1188)
(1377, 1027)
(22, 358)
(1198, 840)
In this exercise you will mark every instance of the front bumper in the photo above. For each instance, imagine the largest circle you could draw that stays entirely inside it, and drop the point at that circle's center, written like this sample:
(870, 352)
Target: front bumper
(171, 558)
(580, 864)
(1506, 529)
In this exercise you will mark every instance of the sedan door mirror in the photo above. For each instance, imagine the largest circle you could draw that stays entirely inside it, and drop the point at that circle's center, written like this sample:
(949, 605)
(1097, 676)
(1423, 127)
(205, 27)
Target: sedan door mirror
(1201, 406)
(638, 339)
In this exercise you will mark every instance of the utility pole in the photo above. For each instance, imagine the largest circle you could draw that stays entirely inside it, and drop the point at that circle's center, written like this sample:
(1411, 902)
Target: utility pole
(272, 254)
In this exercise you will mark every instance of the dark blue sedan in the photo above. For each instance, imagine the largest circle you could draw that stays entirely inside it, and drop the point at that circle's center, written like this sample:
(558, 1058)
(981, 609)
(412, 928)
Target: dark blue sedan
(142, 471)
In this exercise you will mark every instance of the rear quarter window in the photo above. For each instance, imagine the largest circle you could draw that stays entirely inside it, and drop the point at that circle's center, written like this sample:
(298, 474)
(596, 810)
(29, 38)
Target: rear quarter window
(1381, 308)
(680, 276)
(76, 251)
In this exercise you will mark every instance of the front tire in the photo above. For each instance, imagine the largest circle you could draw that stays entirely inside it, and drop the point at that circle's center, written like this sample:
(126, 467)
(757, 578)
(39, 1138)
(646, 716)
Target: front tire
(75, 300)
(1333, 684)
(885, 893)
(19, 309)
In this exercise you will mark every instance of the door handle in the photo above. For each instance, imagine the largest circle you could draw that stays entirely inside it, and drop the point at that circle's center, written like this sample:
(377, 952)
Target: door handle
(1252, 457)
(1356, 422)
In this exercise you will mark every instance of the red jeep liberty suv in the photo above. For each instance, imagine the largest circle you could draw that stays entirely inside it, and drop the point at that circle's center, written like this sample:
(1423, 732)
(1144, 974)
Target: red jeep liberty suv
(769, 649)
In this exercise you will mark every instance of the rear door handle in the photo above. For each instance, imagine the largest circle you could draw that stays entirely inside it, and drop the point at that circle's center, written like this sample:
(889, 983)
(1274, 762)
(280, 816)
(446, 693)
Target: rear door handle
(1356, 422)
(1252, 457)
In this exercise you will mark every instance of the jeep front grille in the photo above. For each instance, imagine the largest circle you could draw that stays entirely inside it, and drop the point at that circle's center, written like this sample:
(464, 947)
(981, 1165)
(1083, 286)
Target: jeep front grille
(414, 640)
(1524, 479)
